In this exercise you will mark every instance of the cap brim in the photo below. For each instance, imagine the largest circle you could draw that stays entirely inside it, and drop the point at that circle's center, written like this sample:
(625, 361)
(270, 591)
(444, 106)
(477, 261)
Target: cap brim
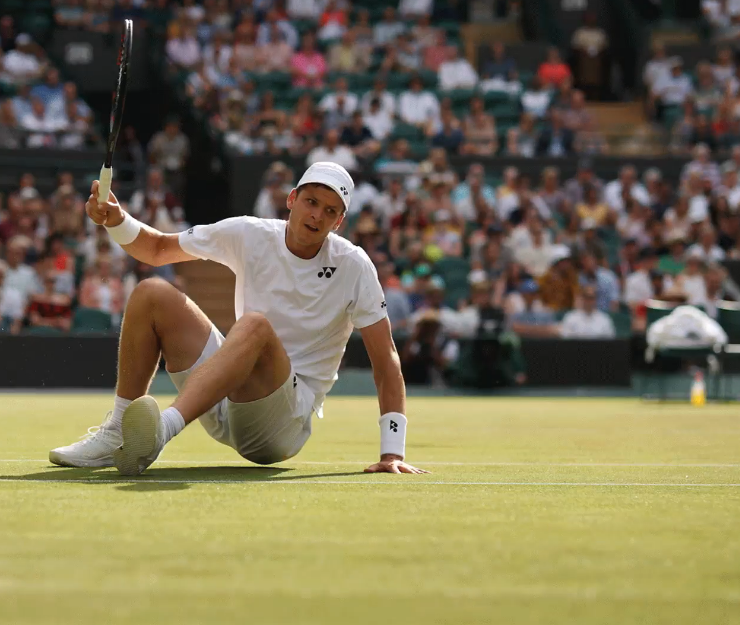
(318, 178)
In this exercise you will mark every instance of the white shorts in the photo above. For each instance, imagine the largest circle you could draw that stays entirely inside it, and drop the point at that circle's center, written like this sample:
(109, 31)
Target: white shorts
(265, 431)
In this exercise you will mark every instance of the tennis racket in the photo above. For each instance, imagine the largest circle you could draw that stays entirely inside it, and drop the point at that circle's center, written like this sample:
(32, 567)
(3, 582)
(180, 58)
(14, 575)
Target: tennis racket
(116, 116)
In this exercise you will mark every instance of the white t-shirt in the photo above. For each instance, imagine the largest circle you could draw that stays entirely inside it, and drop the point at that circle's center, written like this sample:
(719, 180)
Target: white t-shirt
(311, 304)
(613, 195)
(578, 324)
(341, 155)
(457, 74)
(418, 107)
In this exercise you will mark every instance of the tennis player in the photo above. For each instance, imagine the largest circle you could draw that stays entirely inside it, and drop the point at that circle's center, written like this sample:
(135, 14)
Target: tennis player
(300, 290)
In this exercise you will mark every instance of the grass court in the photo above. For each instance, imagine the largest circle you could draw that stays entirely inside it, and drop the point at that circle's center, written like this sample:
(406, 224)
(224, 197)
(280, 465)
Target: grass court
(578, 511)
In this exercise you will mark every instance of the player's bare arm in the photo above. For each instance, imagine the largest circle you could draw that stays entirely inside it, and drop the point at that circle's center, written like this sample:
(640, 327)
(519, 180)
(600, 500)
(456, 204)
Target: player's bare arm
(391, 392)
(149, 246)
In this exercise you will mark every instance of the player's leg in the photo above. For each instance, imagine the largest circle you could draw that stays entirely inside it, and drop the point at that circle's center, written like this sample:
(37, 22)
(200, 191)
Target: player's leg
(250, 365)
(159, 321)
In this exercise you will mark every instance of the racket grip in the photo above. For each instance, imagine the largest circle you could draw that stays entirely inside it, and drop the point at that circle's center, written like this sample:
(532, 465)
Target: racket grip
(106, 177)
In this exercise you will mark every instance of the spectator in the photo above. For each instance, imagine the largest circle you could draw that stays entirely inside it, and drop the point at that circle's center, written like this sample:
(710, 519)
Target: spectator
(358, 137)
(456, 72)
(386, 98)
(424, 33)
(330, 150)
(536, 100)
(556, 141)
(437, 53)
(378, 121)
(535, 255)
(588, 322)
(388, 29)
(41, 130)
(308, 65)
(51, 89)
(706, 248)
(304, 121)
(415, 8)
(428, 353)
(407, 57)
(341, 102)
(304, 9)
(333, 21)
(391, 203)
(691, 280)
(575, 187)
(169, 149)
(576, 117)
(417, 106)
(675, 262)
(552, 72)
(658, 68)
(724, 68)
(363, 32)
(347, 57)
(499, 65)
(69, 14)
(22, 65)
(10, 136)
(702, 165)
(102, 290)
(75, 131)
(559, 285)
(589, 141)
(450, 136)
(638, 287)
(183, 49)
(397, 161)
(265, 30)
(707, 94)
(58, 107)
(96, 18)
(444, 238)
(590, 45)
(671, 90)
(465, 194)
(396, 299)
(479, 129)
(625, 185)
(524, 140)
(527, 313)
(48, 308)
(592, 207)
(602, 280)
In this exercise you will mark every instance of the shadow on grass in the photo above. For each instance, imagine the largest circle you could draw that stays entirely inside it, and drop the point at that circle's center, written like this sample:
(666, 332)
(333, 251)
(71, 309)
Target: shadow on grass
(171, 478)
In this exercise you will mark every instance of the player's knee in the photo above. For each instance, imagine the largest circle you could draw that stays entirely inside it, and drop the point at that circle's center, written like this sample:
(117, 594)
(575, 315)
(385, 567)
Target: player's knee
(152, 290)
(253, 324)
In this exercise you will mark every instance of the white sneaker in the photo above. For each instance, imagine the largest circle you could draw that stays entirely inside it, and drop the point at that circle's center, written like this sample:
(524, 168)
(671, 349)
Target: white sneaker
(94, 450)
(143, 437)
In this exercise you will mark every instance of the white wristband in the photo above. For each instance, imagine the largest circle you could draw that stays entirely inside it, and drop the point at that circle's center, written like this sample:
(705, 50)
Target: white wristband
(125, 232)
(393, 434)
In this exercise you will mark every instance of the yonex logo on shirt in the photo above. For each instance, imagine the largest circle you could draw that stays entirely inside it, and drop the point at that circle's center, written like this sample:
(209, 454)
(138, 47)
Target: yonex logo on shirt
(327, 272)
(383, 304)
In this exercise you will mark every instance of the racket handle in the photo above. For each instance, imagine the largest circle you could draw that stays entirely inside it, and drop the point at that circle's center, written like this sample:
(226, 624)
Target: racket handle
(106, 177)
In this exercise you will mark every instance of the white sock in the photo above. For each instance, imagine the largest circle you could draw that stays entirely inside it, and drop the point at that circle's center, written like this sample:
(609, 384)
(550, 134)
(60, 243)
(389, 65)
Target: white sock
(119, 405)
(172, 423)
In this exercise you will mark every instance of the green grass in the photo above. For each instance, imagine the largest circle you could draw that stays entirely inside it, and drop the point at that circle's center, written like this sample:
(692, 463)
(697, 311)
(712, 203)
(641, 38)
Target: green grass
(538, 511)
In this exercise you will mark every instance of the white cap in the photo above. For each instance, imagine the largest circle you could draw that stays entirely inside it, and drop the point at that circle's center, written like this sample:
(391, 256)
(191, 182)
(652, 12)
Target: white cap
(333, 176)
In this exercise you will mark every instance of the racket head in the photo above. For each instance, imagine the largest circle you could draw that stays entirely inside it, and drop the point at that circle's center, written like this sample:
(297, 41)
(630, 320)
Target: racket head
(119, 99)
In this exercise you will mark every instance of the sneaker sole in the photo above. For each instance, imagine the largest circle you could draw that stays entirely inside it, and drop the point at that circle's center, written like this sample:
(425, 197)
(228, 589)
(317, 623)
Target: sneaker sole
(139, 429)
(65, 461)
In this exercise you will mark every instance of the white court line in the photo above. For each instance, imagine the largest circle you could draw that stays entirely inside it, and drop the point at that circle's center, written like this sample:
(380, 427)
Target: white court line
(359, 482)
(217, 462)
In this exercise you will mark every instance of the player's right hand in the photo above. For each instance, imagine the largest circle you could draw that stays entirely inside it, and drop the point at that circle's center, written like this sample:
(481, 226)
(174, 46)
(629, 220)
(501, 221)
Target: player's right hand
(108, 214)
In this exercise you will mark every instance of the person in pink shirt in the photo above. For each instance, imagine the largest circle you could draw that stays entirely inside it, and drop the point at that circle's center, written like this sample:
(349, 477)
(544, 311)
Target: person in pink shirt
(553, 71)
(308, 65)
(436, 54)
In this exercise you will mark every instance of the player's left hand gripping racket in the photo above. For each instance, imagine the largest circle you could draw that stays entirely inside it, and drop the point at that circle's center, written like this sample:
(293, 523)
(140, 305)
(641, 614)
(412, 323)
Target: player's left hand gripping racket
(116, 117)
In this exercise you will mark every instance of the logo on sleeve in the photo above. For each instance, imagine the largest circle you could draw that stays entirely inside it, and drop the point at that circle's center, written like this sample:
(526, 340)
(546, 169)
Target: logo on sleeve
(394, 426)
(383, 304)
(327, 272)
(190, 231)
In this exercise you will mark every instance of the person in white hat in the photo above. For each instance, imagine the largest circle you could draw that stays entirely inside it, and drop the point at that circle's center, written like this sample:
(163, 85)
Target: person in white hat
(300, 291)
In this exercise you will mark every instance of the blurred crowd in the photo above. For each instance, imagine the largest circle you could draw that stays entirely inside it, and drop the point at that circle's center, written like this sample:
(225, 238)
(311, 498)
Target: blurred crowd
(38, 109)
(574, 257)
(696, 105)
(325, 73)
(60, 272)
